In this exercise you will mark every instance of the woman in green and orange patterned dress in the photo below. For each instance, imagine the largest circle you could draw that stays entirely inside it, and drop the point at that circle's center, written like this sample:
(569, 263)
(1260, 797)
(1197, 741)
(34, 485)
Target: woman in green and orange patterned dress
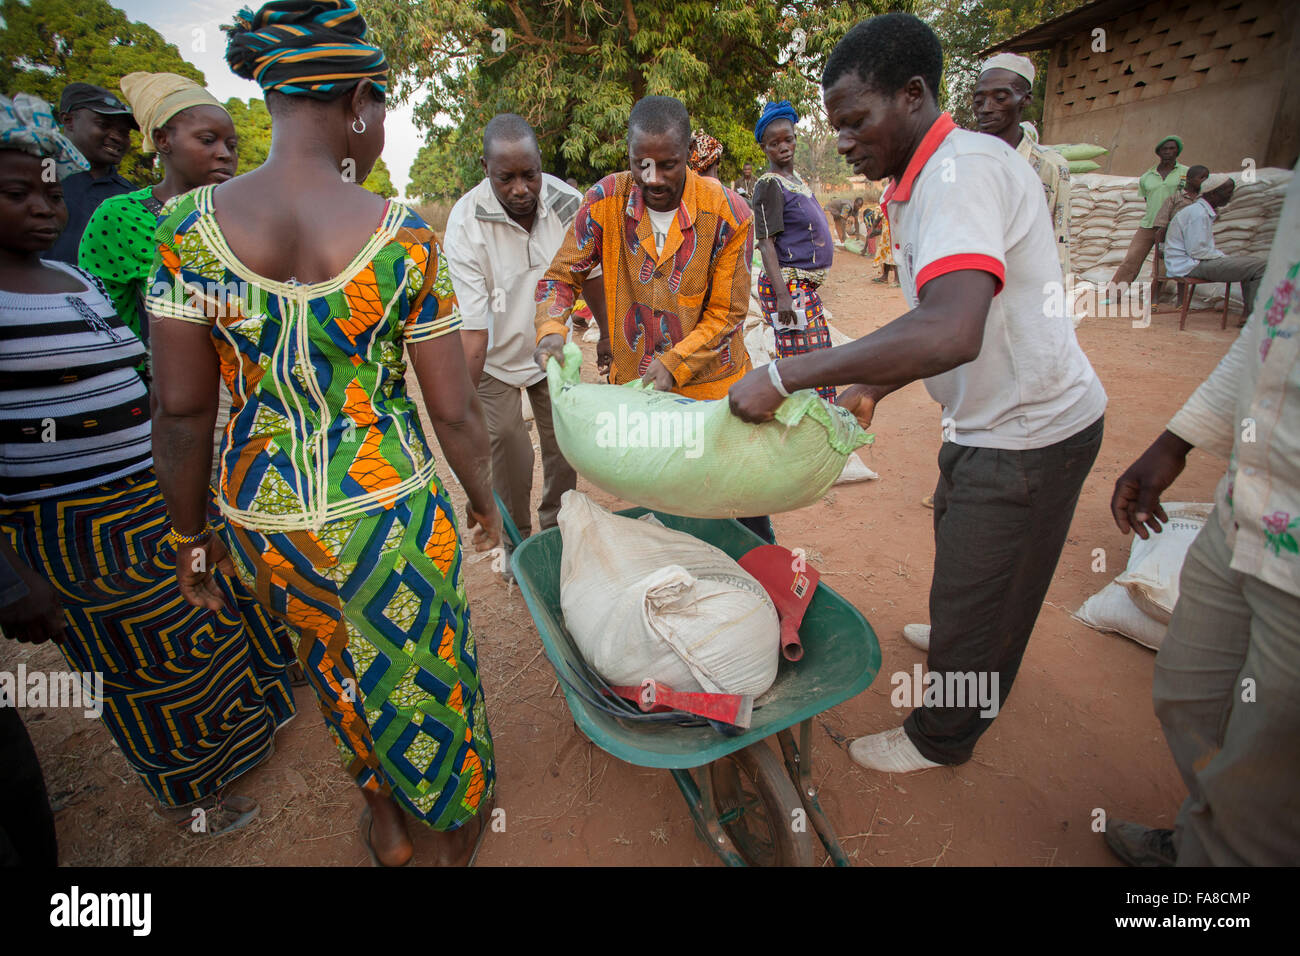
(310, 295)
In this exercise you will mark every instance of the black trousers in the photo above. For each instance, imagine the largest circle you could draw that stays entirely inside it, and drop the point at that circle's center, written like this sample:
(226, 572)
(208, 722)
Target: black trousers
(1000, 522)
(26, 823)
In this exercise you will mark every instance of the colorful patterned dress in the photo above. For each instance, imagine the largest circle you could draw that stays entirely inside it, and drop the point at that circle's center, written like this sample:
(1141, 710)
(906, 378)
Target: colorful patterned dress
(787, 212)
(334, 515)
(885, 245)
(684, 304)
(192, 697)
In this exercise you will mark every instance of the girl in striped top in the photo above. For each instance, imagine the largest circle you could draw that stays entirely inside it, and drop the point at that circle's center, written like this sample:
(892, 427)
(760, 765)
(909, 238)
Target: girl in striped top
(73, 411)
(192, 696)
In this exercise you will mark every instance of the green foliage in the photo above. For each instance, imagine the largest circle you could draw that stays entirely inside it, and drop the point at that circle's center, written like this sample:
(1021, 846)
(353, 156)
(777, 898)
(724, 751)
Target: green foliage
(816, 159)
(47, 44)
(253, 126)
(443, 169)
(379, 181)
(574, 68)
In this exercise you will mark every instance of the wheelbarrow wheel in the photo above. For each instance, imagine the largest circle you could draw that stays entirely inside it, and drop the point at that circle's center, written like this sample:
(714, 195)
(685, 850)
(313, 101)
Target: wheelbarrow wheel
(760, 809)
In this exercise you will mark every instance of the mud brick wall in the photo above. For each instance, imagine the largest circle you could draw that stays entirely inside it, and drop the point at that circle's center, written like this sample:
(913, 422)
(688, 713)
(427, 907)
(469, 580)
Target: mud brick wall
(1220, 75)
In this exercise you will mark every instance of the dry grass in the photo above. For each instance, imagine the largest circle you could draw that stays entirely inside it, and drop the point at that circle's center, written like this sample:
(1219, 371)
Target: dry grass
(435, 214)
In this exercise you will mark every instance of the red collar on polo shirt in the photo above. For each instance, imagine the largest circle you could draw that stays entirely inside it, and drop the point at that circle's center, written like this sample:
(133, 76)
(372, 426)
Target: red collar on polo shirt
(936, 134)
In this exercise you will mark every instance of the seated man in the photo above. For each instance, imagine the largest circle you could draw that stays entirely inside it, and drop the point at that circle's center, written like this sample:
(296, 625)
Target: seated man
(1180, 200)
(676, 251)
(1189, 246)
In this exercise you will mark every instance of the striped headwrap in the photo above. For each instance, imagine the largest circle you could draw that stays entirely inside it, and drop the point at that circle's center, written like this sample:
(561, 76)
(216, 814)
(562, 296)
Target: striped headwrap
(312, 48)
(705, 151)
(27, 124)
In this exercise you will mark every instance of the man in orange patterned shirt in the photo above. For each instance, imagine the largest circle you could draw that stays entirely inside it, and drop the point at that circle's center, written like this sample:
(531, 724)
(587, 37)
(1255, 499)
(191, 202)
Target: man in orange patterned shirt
(675, 250)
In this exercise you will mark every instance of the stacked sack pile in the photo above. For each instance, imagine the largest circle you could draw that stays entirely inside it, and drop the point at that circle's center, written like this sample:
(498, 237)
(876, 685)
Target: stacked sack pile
(1105, 211)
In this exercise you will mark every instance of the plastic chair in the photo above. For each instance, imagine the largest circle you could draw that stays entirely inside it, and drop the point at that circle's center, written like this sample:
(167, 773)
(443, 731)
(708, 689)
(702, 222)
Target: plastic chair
(1185, 285)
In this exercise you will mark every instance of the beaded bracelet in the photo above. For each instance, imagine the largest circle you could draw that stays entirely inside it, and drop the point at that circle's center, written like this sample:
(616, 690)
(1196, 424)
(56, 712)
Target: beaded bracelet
(177, 538)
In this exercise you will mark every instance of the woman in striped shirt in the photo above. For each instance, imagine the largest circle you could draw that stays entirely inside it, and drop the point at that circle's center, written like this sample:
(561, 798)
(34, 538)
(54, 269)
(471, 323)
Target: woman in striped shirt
(191, 696)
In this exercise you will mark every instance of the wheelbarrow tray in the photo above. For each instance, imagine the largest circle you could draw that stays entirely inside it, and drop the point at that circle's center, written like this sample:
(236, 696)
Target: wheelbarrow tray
(841, 656)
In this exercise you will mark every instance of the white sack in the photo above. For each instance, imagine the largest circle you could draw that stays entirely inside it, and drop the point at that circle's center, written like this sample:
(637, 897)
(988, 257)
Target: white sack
(1155, 564)
(643, 601)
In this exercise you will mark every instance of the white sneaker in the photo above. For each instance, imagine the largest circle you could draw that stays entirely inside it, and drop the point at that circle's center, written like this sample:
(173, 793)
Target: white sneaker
(890, 752)
(918, 635)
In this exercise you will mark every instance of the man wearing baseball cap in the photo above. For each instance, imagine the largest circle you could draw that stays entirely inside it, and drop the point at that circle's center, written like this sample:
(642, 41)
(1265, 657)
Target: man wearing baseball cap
(99, 125)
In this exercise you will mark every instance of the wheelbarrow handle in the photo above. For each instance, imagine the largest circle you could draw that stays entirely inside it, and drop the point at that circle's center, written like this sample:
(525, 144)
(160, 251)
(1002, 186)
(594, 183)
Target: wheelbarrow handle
(507, 523)
(733, 709)
(791, 646)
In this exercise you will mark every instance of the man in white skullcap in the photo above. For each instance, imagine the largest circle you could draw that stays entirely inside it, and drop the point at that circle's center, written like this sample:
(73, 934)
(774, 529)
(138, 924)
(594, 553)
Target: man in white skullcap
(1190, 249)
(1001, 94)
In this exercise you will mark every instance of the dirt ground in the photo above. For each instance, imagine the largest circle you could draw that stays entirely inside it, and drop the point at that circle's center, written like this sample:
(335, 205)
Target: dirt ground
(1077, 733)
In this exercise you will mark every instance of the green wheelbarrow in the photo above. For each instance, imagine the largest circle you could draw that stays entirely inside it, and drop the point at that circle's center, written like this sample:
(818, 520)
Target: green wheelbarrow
(746, 805)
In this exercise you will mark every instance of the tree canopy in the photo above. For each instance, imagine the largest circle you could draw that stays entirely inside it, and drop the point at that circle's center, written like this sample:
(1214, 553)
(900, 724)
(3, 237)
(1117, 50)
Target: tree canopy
(253, 124)
(967, 26)
(816, 159)
(574, 68)
(379, 181)
(47, 44)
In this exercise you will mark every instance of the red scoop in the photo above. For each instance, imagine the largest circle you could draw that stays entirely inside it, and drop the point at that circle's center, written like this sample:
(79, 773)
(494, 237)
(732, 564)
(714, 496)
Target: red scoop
(790, 584)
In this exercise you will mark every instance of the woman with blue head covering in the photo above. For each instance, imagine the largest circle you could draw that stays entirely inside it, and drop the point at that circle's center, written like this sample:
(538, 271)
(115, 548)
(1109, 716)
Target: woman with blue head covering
(192, 696)
(794, 241)
(308, 296)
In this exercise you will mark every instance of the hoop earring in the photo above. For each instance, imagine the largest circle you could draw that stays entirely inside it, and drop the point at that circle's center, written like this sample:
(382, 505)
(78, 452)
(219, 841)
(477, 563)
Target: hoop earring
(354, 126)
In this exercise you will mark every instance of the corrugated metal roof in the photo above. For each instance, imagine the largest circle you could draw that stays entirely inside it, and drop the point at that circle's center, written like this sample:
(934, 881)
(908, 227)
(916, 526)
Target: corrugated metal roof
(1047, 34)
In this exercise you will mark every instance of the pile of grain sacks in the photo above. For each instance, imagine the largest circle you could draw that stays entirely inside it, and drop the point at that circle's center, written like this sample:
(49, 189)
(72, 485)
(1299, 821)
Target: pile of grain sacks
(1105, 211)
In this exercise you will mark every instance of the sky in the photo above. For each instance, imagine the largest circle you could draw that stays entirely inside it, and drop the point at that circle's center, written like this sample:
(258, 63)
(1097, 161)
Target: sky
(194, 26)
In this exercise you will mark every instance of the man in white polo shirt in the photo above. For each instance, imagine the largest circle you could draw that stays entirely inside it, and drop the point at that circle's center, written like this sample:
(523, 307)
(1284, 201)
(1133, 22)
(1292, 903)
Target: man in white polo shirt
(1190, 249)
(1022, 408)
(500, 239)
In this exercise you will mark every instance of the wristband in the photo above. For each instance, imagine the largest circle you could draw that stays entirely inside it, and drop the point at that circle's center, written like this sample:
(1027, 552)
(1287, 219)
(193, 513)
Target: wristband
(774, 377)
(177, 538)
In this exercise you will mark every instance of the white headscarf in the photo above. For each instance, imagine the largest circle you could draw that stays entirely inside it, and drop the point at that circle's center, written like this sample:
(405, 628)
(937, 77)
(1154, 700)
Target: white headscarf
(1214, 181)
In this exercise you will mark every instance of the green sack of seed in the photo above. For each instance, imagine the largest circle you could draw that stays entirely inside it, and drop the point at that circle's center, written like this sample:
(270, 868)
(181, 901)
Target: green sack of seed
(688, 457)
(1078, 166)
(1080, 151)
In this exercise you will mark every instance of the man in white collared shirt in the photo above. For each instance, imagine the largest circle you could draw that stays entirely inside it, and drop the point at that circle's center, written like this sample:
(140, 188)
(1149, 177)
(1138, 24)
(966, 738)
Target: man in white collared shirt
(500, 239)
(1190, 249)
(1228, 669)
